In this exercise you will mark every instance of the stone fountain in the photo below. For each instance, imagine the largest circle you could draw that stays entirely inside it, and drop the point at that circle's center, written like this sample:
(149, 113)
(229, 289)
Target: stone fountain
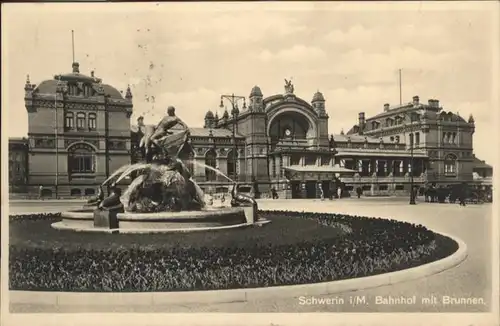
(162, 197)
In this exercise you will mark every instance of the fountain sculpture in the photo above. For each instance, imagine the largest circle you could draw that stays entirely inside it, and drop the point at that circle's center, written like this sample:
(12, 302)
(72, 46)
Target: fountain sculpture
(162, 196)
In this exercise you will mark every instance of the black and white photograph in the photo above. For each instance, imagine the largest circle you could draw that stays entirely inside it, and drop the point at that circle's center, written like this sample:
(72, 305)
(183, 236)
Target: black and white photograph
(250, 163)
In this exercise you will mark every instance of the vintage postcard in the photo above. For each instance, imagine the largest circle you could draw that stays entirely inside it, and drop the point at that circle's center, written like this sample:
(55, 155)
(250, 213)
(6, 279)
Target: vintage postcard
(283, 163)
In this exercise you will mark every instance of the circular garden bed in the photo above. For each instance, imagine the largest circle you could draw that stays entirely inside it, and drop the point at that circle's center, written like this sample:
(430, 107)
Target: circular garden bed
(296, 248)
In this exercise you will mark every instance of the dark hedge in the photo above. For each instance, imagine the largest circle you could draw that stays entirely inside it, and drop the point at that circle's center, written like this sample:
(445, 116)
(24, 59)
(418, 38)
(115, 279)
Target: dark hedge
(296, 248)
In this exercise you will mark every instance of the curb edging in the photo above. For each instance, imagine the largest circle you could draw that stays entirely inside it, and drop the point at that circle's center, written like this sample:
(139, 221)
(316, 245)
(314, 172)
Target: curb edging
(241, 295)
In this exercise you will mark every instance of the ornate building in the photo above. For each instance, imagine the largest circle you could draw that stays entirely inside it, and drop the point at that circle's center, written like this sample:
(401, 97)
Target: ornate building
(282, 142)
(279, 141)
(78, 133)
(441, 143)
(18, 165)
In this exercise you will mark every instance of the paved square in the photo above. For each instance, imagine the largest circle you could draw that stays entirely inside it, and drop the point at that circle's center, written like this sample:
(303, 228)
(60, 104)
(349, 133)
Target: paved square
(471, 279)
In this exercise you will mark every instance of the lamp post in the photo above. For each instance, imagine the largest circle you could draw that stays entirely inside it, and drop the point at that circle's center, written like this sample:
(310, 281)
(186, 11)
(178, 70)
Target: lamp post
(412, 141)
(233, 99)
(59, 90)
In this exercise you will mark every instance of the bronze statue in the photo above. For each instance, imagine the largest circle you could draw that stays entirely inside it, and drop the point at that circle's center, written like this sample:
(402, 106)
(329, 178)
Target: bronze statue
(162, 137)
(238, 199)
(96, 200)
(112, 202)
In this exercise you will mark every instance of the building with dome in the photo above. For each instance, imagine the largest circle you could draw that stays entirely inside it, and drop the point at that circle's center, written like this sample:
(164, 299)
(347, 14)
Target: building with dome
(279, 141)
(283, 142)
(78, 133)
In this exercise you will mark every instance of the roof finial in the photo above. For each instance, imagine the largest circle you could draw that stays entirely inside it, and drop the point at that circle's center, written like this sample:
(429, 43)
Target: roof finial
(128, 95)
(342, 131)
(28, 79)
(76, 67)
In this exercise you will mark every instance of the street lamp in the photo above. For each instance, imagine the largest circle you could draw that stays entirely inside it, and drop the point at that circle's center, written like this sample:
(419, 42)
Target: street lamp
(233, 99)
(412, 142)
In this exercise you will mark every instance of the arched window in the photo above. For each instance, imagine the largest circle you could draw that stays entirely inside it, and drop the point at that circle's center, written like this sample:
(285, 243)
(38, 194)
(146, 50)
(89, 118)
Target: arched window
(89, 192)
(232, 161)
(81, 159)
(80, 120)
(450, 164)
(92, 121)
(75, 192)
(210, 161)
(69, 120)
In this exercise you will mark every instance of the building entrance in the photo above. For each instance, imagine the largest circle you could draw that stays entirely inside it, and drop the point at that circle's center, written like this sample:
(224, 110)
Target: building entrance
(295, 185)
(326, 188)
(311, 189)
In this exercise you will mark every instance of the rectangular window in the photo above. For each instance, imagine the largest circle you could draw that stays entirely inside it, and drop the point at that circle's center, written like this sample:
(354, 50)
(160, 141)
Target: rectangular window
(383, 187)
(92, 121)
(80, 121)
(310, 160)
(69, 122)
(400, 187)
(81, 164)
(417, 139)
(295, 159)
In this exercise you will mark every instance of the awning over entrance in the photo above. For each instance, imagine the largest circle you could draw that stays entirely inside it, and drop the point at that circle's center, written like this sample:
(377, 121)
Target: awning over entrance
(319, 169)
(341, 152)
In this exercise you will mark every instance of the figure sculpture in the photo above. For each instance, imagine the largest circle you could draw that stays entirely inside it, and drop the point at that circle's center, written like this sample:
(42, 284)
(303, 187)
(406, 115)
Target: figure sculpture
(112, 202)
(162, 137)
(242, 200)
(289, 87)
(96, 200)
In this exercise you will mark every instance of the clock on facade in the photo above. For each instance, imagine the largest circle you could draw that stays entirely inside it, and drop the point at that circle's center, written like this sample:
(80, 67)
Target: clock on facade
(288, 132)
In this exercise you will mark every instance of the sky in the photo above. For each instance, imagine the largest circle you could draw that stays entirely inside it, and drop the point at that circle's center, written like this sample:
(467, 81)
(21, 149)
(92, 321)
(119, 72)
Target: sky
(188, 54)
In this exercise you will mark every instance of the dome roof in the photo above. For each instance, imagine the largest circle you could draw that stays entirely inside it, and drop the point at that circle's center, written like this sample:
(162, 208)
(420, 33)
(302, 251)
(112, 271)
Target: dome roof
(50, 86)
(209, 115)
(256, 91)
(318, 96)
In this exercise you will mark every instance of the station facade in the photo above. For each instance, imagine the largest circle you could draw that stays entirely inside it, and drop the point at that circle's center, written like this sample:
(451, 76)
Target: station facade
(279, 141)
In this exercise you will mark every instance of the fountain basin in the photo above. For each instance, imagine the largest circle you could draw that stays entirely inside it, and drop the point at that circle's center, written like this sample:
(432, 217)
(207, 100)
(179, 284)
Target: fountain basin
(184, 221)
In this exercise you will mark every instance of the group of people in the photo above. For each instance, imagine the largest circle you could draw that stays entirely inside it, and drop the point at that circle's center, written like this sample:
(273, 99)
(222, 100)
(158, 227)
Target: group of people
(453, 193)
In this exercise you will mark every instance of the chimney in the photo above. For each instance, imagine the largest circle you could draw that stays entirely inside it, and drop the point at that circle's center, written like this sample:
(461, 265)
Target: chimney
(415, 100)
(92, 74)
(361, 122)
(386, 107)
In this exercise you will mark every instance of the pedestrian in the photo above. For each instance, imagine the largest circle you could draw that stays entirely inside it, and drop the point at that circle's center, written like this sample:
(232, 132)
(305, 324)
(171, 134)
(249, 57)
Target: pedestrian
(359, 192)
(40, 192)
(463, 194)
(339, 192)
(274, 193)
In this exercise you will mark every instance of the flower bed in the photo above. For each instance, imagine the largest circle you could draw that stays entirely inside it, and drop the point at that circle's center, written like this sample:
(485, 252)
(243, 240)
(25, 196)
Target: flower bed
(296, 248)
